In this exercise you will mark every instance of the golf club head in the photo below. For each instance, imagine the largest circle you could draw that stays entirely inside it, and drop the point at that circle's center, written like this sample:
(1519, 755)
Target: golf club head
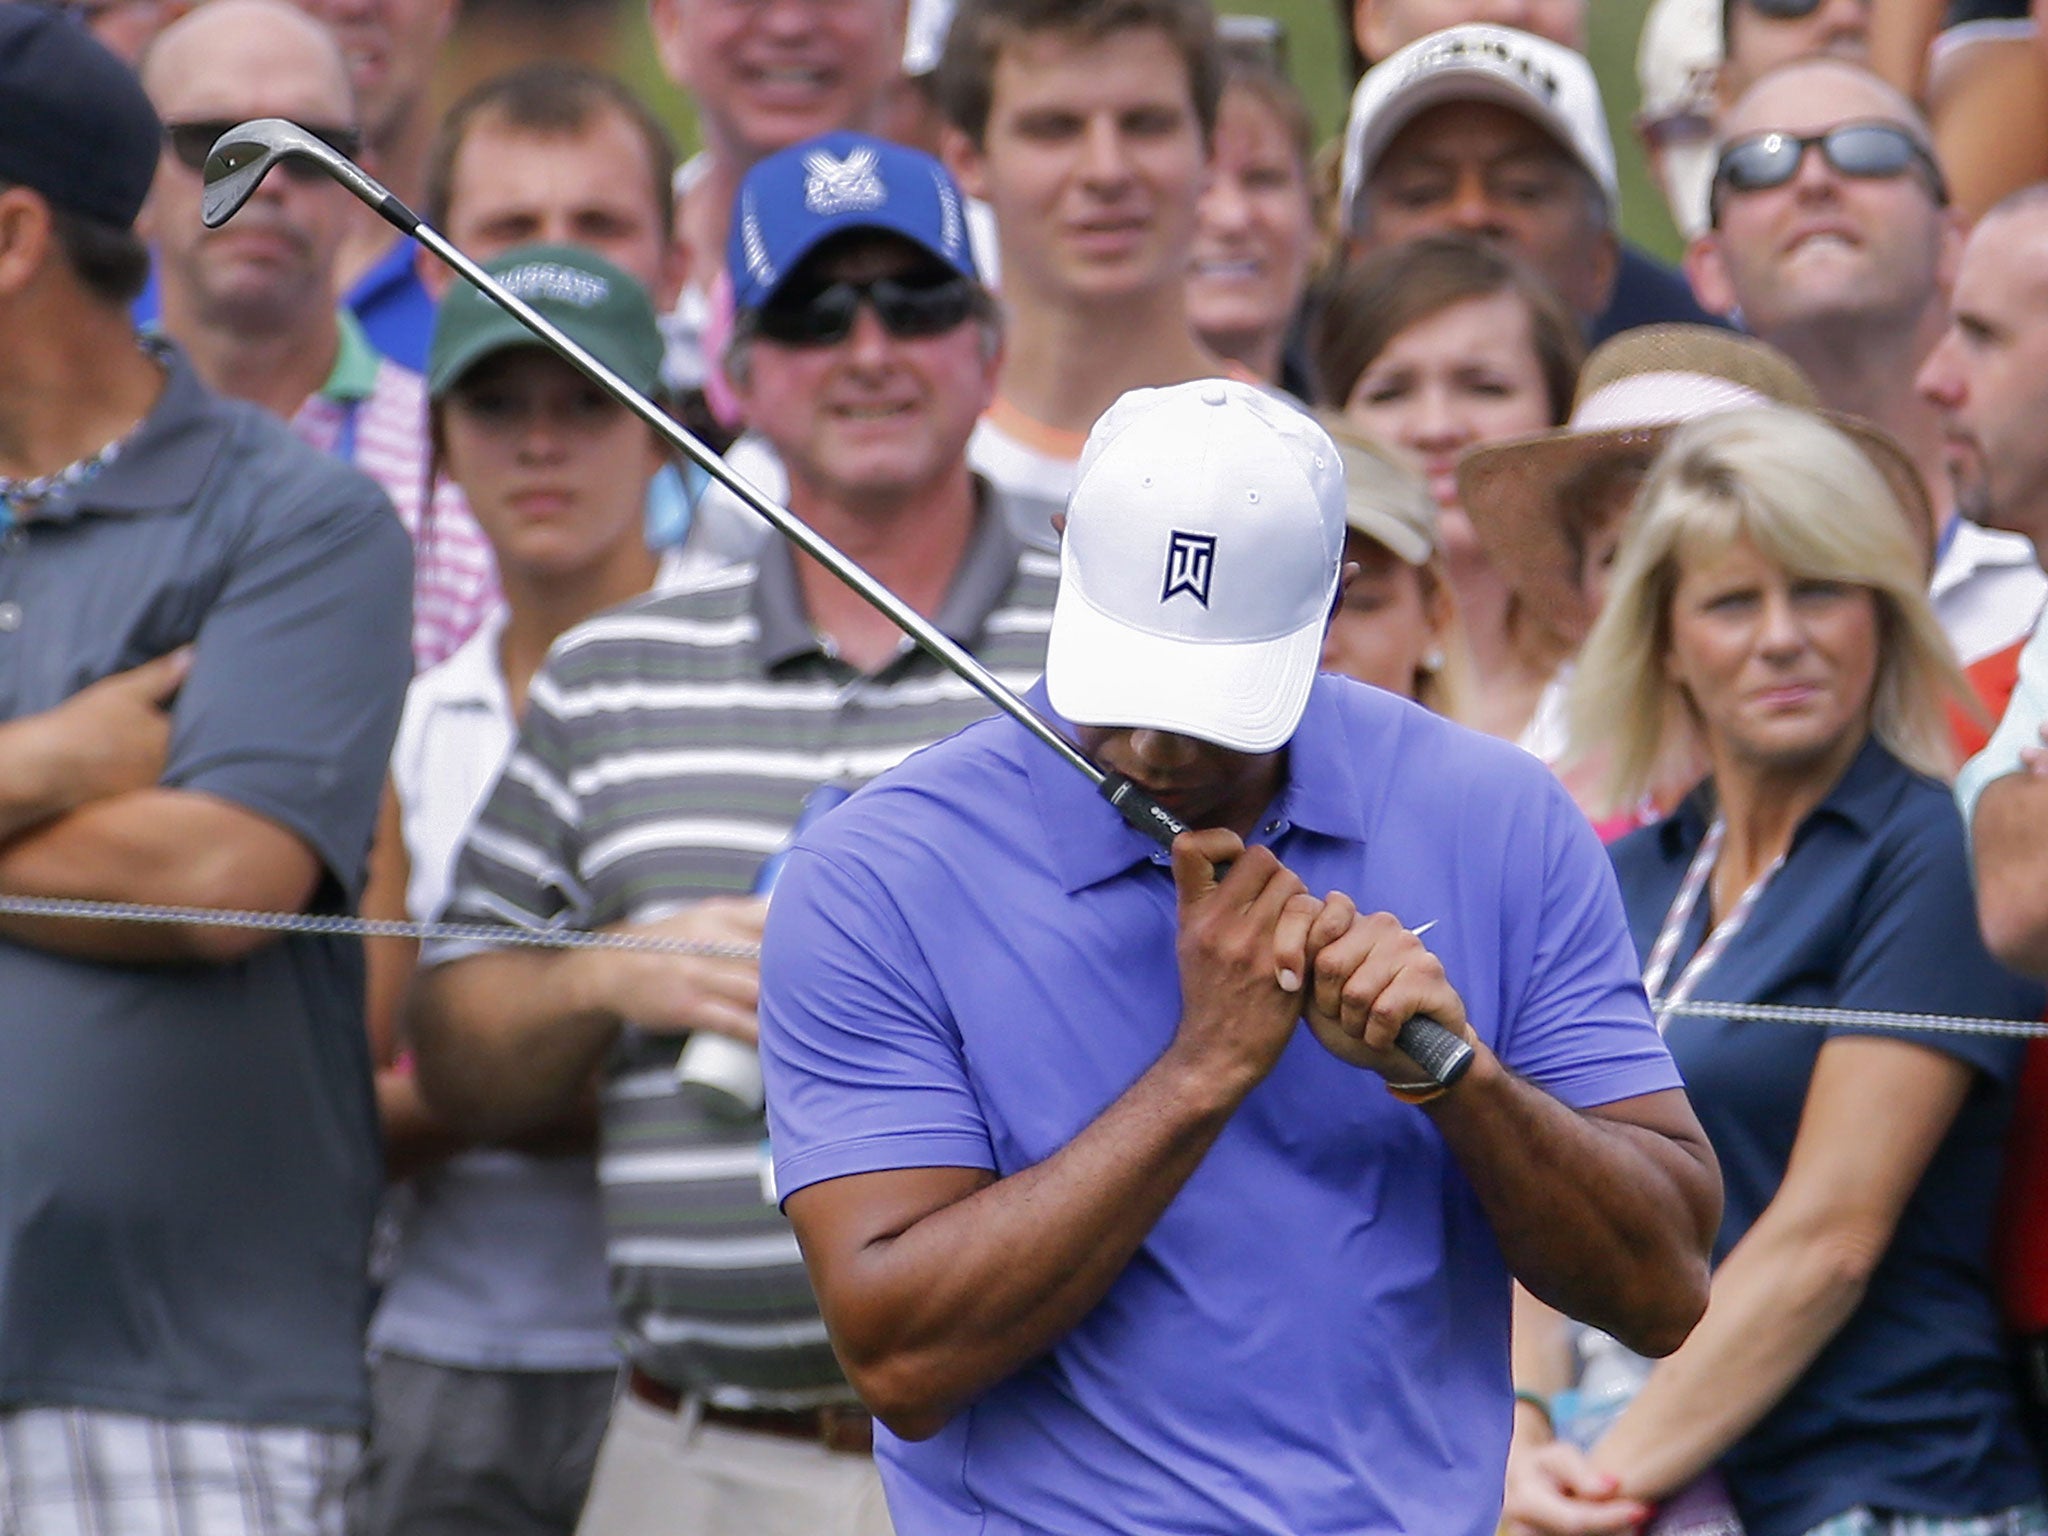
(243, 156)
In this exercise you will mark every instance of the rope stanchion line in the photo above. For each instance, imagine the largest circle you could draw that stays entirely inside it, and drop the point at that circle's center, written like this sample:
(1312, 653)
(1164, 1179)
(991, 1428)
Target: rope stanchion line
(337, 925)
(508, 937)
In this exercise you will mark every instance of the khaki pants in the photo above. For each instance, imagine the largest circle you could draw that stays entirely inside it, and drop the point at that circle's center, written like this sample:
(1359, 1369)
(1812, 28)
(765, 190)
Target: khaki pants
(668, 1474)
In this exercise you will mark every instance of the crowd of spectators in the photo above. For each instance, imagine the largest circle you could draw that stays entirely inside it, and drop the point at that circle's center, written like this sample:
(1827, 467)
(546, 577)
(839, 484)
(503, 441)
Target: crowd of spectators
(309, 1233)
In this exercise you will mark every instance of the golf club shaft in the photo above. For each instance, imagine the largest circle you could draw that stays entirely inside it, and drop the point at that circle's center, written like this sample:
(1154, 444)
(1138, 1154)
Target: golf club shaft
(1435, 1049)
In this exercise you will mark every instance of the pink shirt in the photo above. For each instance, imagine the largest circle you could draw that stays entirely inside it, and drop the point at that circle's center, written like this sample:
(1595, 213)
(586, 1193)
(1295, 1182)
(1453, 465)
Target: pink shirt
(383, 432)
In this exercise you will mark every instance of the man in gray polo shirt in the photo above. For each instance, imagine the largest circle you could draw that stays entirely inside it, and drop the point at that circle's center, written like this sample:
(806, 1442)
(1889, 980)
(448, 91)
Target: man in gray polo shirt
(203, 650)
(666, 752)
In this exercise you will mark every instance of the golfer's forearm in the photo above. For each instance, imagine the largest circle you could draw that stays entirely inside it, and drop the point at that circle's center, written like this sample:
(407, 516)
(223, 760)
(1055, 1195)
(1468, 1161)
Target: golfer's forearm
(506, 1040)
(1608, 1222)
(963, 1297)
(2010, 835)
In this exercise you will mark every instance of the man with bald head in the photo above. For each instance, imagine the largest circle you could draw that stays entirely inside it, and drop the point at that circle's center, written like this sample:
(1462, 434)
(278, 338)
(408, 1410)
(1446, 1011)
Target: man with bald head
(252, 303)
(1832, 236)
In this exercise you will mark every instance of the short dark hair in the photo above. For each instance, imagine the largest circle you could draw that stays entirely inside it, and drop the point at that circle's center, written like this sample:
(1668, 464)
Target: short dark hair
(549, 98)
(1371, 303)
(964, 82)
(111, 262)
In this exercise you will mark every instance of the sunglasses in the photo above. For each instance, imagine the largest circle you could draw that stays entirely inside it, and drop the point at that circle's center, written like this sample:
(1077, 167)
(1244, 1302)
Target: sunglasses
(908, 307)
(193, 142)
(1868, 151)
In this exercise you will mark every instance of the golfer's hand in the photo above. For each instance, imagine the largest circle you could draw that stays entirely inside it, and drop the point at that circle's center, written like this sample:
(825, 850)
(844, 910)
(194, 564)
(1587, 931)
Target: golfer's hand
(666, 994)
(1368, 976)
(1236, 1016)
(1554, 1490)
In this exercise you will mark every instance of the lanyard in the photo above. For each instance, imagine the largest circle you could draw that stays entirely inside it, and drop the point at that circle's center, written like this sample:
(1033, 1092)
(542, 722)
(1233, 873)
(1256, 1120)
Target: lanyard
(1680, 915)
(345, 444)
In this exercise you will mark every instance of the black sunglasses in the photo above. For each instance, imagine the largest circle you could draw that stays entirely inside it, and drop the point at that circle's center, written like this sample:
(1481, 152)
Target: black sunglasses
(1866, 150)
(193, 142)
(908, 307)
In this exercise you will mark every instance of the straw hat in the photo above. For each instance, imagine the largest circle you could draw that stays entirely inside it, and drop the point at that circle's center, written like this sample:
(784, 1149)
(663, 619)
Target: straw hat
(1383, 498)
(1635, 390)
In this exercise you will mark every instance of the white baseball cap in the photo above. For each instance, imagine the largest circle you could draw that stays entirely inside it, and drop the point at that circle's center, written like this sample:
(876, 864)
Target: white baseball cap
(1204, 540)
(1544, 81)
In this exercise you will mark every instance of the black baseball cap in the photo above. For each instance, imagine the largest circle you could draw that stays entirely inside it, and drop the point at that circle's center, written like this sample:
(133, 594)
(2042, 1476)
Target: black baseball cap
(77, 127)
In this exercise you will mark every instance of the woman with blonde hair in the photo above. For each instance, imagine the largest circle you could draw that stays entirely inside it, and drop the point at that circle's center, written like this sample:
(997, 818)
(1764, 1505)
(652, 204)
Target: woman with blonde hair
(1767, 612)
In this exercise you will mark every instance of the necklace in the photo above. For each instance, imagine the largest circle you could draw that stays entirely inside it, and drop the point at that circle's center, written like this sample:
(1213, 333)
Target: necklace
(21, 498)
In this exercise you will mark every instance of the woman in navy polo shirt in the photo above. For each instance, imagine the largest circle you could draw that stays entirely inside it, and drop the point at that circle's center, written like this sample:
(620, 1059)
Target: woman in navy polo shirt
(1848, 1379)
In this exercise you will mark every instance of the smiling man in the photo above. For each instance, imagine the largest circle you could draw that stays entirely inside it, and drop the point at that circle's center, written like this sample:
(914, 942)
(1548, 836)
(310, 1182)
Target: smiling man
(1124, 1211)
(696, 724)
(1086, 126)
(1833, 238)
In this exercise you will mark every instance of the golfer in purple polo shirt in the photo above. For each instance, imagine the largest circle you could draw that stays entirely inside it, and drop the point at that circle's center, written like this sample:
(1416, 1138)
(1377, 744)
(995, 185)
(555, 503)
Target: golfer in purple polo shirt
(1125, 1213)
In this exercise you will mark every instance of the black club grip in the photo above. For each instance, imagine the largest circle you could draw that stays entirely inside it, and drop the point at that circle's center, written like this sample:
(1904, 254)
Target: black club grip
(1435, 1049)
(1441, 1054)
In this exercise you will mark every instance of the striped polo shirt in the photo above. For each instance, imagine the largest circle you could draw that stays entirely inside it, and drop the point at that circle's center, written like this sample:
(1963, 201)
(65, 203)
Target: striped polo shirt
(373, 414)
(667, 750)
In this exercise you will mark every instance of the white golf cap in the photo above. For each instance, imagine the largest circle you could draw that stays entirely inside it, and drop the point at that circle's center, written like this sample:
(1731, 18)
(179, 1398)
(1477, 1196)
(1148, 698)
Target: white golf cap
(1547, 83)
(1204, 539)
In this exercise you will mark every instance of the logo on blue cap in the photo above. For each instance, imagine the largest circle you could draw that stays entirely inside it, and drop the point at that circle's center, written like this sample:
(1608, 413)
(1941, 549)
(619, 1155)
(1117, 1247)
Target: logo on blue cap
(833, 185)
(793, 201)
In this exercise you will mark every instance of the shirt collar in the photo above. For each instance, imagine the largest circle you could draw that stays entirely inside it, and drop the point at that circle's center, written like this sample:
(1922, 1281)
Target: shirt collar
(1321, 792)
(471, 677)
(162, 467)
(397, 267)
(986, 571)
(1862, 797)
(354, 374)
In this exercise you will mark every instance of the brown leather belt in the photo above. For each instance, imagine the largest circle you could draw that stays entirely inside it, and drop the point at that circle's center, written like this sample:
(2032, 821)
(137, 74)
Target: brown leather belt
(836, 1426)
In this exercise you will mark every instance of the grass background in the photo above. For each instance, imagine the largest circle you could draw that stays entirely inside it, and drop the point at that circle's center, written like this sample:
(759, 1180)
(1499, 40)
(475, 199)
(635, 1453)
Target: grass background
(1321, 67)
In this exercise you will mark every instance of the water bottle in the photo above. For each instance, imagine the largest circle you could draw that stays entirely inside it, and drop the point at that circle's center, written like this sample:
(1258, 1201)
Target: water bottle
(1610, 1375)
(718, 1072)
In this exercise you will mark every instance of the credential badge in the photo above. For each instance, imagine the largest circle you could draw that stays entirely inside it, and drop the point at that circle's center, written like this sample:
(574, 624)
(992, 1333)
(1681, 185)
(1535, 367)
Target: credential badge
(1190, 562)
(833, 185)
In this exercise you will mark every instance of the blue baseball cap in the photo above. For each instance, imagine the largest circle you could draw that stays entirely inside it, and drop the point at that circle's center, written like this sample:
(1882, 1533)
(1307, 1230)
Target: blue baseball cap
(77, 126)
(798, 198)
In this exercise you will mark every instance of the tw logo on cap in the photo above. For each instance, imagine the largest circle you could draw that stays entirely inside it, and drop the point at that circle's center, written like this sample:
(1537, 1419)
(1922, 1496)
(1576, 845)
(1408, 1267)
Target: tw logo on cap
(1190, 563)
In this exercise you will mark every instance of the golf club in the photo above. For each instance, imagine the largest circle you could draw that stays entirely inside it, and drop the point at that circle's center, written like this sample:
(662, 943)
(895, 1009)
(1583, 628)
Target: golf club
(243, 156)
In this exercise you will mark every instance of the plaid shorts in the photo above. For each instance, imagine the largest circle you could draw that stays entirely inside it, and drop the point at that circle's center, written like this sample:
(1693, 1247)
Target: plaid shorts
(84, 1472)
(2020, 1520)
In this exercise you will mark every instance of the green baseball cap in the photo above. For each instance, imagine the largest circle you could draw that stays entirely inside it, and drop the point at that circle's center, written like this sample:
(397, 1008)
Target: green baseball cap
(591, 300)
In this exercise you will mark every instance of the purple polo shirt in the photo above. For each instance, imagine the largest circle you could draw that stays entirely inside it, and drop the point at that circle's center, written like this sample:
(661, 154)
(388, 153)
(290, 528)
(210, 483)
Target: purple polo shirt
(974, 956)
